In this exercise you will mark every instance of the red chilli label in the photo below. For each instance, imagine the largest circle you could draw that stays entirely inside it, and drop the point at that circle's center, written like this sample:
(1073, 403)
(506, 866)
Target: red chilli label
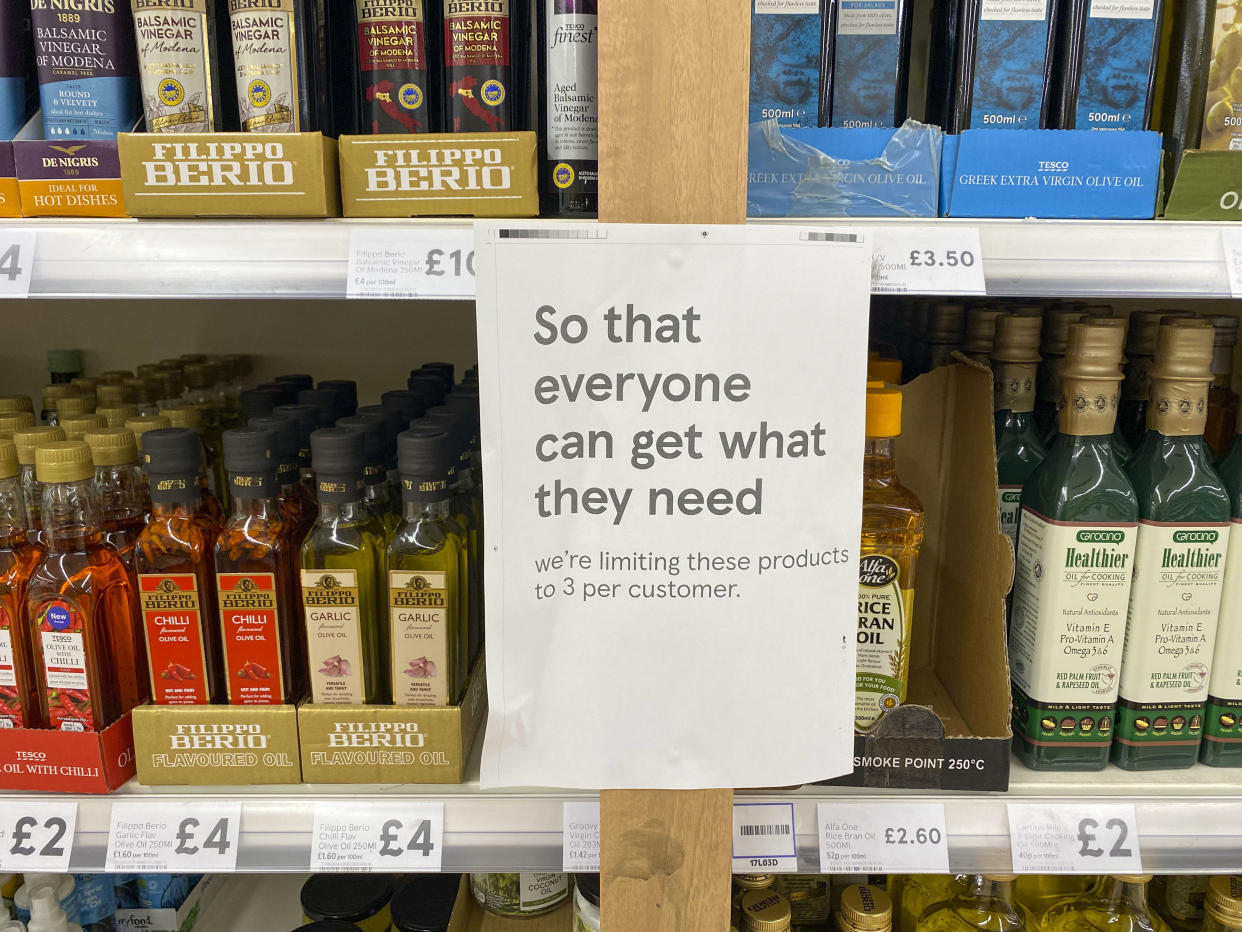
(172, 618)
(63, 641)
(251, 625)
(12, 715)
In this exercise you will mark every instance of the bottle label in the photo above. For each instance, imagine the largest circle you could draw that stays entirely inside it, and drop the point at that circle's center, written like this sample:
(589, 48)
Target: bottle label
(250, 621)
(1014, 10)
(476, 55)
(867, 62)
(1179, 574)
(1013, 386)
(1009, 497)
(867, 18)
(1011, 53)
(1118, 56)
(62, 634)
(266, 63)
(572, 58)
(174, 65)
(519, 894)
(1071, 594)
(1223, 719)
(883, 664)
(172, 619)
(334, 636)
(419, 613)
(11, 699)
(392, 56)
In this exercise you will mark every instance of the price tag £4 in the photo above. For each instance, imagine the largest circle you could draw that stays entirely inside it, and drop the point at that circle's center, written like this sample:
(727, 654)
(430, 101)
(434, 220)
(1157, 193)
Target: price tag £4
(387, 838)
(944, 260)
(149, 837)
(1082, 839)
(37, 837)
(863, 838)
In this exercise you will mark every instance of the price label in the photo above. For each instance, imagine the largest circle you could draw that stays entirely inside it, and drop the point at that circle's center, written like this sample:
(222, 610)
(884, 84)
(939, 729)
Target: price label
(405, 263)
(765, 840)
(382, 837)
(924, 260)
(581, 838)
(1232, 241)
(1083, 839)
(37, 837)
(148, 837)
(903, 838)
(17, 253)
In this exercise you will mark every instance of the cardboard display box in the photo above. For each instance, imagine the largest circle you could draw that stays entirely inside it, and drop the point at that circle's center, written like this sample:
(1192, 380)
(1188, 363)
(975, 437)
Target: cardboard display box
(10, 194)
(182, 919)
(229, 174)
(468, 916)
(216, 745)
(392, 744)
(440, 175)
(954, 732)
(1208, 187)
(66, 178)
(67, 761)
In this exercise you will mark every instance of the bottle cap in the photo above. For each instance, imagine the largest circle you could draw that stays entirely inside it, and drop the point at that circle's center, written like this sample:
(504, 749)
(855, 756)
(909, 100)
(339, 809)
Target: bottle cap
(333, 896)
(300, 380)
(411, 403)
(52, 393)
(85, 385)
(17, 420)
(117, 376)
(347, 390)
(337, 451)
(374, 433)
(1056, 327)
(64, 362)
(147, 422)
(1098, 311)
(117, 415)
(240, 365)
(1144, 325)
(169, 384)
(1224, 900)
(74, 405)
(114, 394)
(30, 439)
(76, 427)
(430, 384)
(393, 424)
(145, 391)
(1184, 349)
(1132, 878)
(188, 358)
(425, 902)
(1226, 330)
(285, 431)
(172, 451)
(444, 369)
(15, 404)
(765, 911)
(883, 412)
(865, 909)
(46, 913)
(424, 453)
(754, 881)
(198, 375)
(258, 402)
(588, 886)
(64, 461)
(324, 401)
(285, 392)
(183, 415)
(112, 446)
(306, 418)
(249, 449)
(946, 323)
(1093, 351)
(981, 329)
(1017, 339)
(9, 466)
(1000, 878)
(879, 370)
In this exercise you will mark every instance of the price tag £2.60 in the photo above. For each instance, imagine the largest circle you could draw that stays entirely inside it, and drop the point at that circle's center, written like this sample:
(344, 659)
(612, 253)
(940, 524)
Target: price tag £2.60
(944, 260)
(150, 837)
(1077, 839)
(37, 837)
(382, 837)
(866, 838)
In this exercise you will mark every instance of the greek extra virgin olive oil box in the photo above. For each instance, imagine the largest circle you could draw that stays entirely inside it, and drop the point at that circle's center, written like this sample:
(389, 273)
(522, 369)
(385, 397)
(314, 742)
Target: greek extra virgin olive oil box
(229, 174)
(67, 761)
(392, 744)
(954, 730)
(216, 745)
(441, 175)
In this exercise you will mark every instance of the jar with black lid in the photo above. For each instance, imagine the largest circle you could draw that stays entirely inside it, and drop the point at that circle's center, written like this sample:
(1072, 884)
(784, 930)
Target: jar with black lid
(361, 899)
(425, 903)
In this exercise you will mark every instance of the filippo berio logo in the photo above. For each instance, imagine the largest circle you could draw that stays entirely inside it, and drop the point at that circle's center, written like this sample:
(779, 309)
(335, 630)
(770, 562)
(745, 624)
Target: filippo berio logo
(376, 735)
(445, 167)
(418, 593)
(223, 166)
(328, 590)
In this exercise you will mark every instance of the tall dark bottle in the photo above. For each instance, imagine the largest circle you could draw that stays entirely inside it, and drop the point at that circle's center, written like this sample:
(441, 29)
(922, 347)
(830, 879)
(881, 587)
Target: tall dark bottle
(280, 59)
(569, 111)
(486, 59)
(394, 48)
(179, 65)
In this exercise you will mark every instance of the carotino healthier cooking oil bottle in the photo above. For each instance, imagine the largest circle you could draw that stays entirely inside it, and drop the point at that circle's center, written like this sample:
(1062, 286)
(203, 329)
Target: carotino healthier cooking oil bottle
(1222, 722)
(1076, 541)
(1179, 565)
(1019, 447)
(892, 533)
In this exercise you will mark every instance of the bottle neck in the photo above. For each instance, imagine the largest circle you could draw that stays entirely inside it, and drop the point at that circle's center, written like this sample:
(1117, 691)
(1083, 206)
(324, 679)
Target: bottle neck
(12, 507)
(878, 459)
(992, 889)
(120, 491)
(70, 512)
(1127, 894)
(1013, 386)
(165, 510)
(1089, 406)
(346, 512)
(254, 506)
(1178, 407)
(413, 511)
(1222, 366)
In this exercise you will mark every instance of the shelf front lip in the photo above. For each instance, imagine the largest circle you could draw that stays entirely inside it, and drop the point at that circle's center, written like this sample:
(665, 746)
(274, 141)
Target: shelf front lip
(274, 259)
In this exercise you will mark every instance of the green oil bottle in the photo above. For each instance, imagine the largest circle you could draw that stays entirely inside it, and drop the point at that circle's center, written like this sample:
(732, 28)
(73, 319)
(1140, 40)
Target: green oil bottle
(1136, 389)
(1019, 446)
(1055, 334)
(1222, 722)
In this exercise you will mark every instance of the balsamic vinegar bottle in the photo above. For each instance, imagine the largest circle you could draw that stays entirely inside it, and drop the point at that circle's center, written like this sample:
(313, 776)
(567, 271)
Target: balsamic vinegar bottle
(569, 112)
(280, 59)
(179, 65)
(486, 59)
(394, 43)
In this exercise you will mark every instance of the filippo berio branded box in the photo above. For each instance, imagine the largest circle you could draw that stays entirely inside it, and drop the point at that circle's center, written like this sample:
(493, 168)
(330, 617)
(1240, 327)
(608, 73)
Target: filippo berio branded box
(229, 174)
(440, 175)
(392, 744)
(220, 745)
(56, 761)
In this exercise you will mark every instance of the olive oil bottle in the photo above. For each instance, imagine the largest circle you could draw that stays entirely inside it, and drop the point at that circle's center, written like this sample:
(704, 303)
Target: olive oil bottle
(987, 904)
(1222, 906)
(1179, 564)
(1222, 724)
(1037, 893)
(917, 892)
(1117, 903)
(1076, 540)
(1136, 389)
(1019, 447)
(1055, 333)
(892, 533)
(342, 579)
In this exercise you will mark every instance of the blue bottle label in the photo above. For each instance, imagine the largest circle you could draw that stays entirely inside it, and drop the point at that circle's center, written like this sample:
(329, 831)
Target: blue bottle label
(1010, 60)
(868, 45)
(1118, 56)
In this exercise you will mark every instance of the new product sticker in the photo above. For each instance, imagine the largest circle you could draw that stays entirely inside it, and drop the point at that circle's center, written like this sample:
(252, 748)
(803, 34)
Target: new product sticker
(251, 628)
(419, 613)
(333, 636)
(62, 637)
(173, 622)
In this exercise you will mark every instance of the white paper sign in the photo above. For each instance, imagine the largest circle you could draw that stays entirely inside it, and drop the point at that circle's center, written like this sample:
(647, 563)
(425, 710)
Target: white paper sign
(1232, 241)
(672, 432)
(928, 260)
(392, 262)
(765, 839)
(17, 256)
(871, 838)
(581, 838)
(37, 837)
(1090, 838)
(148, 837)
(385, 837)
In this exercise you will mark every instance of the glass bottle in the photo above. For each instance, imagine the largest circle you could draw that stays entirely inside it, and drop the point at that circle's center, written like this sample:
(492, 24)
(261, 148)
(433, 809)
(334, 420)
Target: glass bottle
(864, 909)
(1136, 389)
(1222, 725)
(892, 533)
(77, 426)
(80, 603)
(1037, 893)
(281, 63)
(1055, 333)
(765, 911)
(568, 37)
(1019, 446)
(139, 426)
(1118, 903)
(306, 418)
(19, 706)
(64, 365)
(120, 487)
(394, 91)
(981, 333)
(1222, 906)
(261, 649)
(1179, 565)
(187, 415)
(27, 441)
(987, 904)
(378, 497)
(342, 579)
(424, 557)
(176, 576)
(1179, 900)
(914, 894)
(1079, 516)
(299, 506)
(1222, 401)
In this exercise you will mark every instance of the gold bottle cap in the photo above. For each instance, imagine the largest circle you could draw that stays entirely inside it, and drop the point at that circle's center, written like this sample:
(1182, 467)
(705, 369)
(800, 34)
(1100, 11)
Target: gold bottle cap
(945, 323)
(1144, 325)
(140, 425)
(141, 391)
(145, 371)
(1098, 311)
(883, 412)
(112, 446)
(199, 375)
(74, 405)
(29, 440)
(112, 394)
(1017, 339)
(57, 390)
(187, 359)
(183, 416)
(865, 909)
(17, 420)
(1132, 878)
(1000, 878)
(77, 427)
(239, 364)
(754, 881)
(65, 461)
(765, 911)
(884, 370)
(15, 404)
(9, 466)
(1184, 351)
(981, 329)
(117, 415)
(84, 385)
(170, 384)
(1093, 351)
(114, 377)
(1224, 900)
(1057, 322)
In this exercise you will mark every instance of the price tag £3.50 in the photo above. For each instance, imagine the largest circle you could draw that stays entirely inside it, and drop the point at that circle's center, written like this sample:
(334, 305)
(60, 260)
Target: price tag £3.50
(386, 837)
(945, 260)
(37, 837)
(1077, 839)
(150, 837)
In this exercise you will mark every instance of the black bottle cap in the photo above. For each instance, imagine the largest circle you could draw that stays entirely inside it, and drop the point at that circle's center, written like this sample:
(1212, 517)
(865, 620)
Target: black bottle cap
(258, 402)
(324, 400)
(457, 427)
(425, 451)
(329, 925)
(374, 433)
(465, 406)
(393, 423)
(249, 450)
(300, 380)
(588, 886)
(428, 383)
(425, 903)
(347, 389)
(411, 404)
(173, 451)
(337, 451)
(286, 391)
(285, 430)
(345, 896)
(443, 369)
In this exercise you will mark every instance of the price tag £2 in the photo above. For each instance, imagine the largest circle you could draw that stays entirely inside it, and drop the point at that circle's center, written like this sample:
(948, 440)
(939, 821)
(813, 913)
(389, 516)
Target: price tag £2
(149, 837)
(1078, 839)
(902, 838)
(37, 837)
(944, 260)
(764, 838)
(382, 837)
(411, 263)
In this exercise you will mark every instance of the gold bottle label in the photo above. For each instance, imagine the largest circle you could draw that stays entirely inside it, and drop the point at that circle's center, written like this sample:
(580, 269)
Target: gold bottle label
(883, 642)
(1178, 409)
(334, 636)
(418, 607)
(1013, 386)
(1089, 406)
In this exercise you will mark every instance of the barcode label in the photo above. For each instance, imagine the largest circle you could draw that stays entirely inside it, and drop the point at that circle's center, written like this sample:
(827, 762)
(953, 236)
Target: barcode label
(764, 838)
(765, 830)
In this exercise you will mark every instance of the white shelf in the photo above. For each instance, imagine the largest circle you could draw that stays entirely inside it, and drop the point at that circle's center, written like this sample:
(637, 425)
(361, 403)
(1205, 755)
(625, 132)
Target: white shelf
(309, 259)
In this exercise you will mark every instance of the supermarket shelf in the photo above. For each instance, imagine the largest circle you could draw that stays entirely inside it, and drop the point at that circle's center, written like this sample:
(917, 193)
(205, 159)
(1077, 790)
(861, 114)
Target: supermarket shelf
(309, 259)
